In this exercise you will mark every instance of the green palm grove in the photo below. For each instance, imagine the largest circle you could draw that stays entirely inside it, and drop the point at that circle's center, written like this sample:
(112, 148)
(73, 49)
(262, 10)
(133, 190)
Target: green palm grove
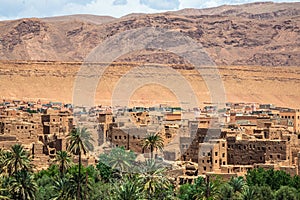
(118, 176)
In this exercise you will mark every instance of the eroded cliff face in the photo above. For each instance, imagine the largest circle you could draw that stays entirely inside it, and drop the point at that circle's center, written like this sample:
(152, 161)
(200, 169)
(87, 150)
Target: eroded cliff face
(261, 34)
(55, 81)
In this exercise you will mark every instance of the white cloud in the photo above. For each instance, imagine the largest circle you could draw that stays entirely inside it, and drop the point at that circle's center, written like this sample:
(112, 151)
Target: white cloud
(162, 4)
(120, 2)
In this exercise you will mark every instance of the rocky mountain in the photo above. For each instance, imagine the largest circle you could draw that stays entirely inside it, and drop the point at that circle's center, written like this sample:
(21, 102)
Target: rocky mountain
(260, 34)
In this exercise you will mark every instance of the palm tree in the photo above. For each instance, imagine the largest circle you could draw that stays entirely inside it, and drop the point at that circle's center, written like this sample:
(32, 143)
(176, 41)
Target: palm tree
(79, 141)
(119, 159)
(207, 189)
(127, 189)
(63, 159)
(153, 141)
(248, 193)
(3, 194)
(16, 159)
(60, 185)
(152, 179)
(22, 185)
(237, 184)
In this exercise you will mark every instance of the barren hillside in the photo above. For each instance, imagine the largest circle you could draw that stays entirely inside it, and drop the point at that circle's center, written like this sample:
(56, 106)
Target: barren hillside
(255, 46)
(261, 34)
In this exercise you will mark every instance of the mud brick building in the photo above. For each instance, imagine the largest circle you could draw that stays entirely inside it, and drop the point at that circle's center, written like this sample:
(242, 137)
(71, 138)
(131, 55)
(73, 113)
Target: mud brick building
(190, 145)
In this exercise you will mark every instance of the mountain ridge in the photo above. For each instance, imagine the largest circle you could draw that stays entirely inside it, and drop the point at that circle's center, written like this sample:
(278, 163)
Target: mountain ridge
(268, 36)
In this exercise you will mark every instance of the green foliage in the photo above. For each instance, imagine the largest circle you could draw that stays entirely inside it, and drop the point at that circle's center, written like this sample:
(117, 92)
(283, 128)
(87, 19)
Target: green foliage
(106, 172)
(63, 159)
(274, 179)
(22, 185)
(286, 193)
(118, 159)
(119, 176)
(204, 189)
(263, 192)
(15, 160)
(152, 142)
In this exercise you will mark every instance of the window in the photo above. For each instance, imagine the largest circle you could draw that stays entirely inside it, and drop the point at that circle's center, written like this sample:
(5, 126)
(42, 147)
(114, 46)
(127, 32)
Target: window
(271, 156)
(124, 137)
(223, 144)
(224, 163)
(216, 153)
(116, 137)
(223, 155)
(204, 168)
(120, 137)
(216, 161)
(278, 156)
(207, 161)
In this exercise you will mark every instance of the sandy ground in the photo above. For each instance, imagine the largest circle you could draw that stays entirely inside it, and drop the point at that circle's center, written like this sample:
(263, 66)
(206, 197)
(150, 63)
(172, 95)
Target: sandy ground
(55, 82)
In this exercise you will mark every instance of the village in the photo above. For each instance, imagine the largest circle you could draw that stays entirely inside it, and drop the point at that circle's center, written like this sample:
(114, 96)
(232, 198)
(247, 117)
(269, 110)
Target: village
(196, 141)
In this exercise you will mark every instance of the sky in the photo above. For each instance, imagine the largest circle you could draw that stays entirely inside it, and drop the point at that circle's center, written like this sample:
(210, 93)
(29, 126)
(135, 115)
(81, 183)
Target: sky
(13, 9)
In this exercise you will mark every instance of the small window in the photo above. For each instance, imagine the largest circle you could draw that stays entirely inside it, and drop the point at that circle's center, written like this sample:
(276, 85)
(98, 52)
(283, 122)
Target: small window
(124, 137)
(120, 137)
(216, 153)
(116, 137)
(271, 156)
(223, 155)
(204, 168)
(216, 161)
(278, 156)
(224, 163)
(223, 144)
